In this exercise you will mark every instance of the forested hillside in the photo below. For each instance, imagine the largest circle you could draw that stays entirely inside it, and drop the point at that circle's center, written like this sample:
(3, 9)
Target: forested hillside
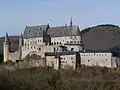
(101, 38)
(98, 38)
(85, 78)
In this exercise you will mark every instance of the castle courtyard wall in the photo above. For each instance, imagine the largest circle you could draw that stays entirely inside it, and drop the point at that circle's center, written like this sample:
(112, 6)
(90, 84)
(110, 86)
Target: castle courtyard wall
(96, 59)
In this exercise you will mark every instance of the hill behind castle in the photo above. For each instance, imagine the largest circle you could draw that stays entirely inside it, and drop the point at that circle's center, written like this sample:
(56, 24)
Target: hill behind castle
(101, 38)
(97, 38)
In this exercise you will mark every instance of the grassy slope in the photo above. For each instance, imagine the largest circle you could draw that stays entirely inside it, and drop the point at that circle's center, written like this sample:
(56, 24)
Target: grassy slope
(85, 78)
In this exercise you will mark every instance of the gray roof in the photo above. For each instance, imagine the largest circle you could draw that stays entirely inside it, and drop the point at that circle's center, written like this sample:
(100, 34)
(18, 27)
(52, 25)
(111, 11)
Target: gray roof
(60, 53)
(37, 31)
(63, 31)
(34, 31)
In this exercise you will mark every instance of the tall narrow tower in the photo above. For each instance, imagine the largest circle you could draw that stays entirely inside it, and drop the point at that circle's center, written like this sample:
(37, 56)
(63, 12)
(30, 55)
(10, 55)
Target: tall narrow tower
(20, 46)
(71, 26)
(6, 46)
(71, 22)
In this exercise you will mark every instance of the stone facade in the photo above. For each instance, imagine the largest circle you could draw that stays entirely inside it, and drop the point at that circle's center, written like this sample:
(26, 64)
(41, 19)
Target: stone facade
(62, 44)
(103, 59)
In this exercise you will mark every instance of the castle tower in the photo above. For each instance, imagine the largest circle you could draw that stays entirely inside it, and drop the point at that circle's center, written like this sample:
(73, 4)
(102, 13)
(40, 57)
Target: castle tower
(6, 46)
(71, 21)
(71, 25)
(20, 46)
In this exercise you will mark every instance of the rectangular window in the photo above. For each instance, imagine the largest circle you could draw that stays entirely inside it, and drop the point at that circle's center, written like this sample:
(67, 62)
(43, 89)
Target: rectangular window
(71, 41)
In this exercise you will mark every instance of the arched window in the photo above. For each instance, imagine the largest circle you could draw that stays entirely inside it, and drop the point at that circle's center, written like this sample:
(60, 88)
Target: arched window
(57, 42)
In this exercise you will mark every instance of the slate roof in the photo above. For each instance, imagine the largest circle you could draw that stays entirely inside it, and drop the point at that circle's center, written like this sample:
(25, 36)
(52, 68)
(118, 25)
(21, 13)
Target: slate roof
(57, 54)
(37, 31)
(63, 31)
(34, 31)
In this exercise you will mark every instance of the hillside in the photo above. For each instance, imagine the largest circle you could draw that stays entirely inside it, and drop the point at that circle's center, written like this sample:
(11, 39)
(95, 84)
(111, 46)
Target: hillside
(85, 78)
(97, 38)
(101, 38)
(14, 43)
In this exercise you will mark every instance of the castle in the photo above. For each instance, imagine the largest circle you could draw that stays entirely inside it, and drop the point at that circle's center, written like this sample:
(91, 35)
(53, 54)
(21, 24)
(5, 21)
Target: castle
(60, 46)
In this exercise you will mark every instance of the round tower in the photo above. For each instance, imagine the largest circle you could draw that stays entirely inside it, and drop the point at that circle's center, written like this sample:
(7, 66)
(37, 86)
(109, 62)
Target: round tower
(6, 46)
(20, 46)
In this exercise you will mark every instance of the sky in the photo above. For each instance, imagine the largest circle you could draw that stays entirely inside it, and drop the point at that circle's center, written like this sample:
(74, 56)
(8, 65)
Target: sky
(16, 14)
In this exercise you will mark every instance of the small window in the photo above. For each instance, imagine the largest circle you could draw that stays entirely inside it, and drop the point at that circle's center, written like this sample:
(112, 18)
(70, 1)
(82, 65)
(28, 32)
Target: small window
(78, 41)
(57, 42)
(52, 43)
(74, 41)
(72, 49)
(54, 50)
(71, 58)
(88, 60)
(106, 59)
(71, 41)
(72, 62)
(39, 49)
(67, 42)
(60, 42)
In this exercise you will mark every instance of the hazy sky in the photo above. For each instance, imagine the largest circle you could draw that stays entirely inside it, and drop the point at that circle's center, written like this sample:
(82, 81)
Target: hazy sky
(16, 14)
